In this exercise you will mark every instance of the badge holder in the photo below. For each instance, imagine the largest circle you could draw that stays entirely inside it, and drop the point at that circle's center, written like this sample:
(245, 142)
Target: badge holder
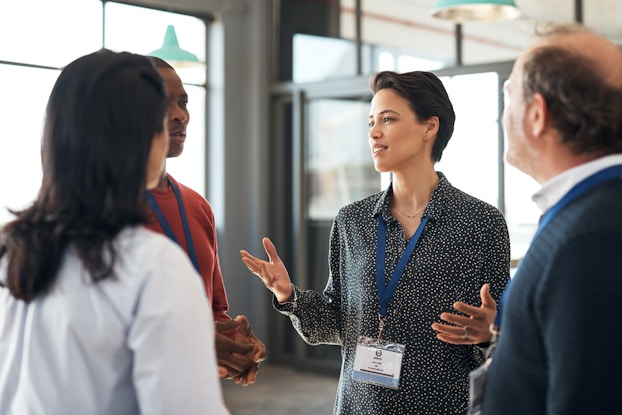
(378, 362)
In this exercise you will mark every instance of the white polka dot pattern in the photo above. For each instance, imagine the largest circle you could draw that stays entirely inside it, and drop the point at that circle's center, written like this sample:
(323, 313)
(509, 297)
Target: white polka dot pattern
(464, 245)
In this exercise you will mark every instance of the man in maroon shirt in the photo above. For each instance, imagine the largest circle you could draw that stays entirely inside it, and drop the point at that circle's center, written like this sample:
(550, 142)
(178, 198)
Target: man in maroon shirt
(187, 218)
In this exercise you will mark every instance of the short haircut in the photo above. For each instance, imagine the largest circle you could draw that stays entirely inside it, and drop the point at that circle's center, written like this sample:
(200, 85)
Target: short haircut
(426, 96)
(160, 63)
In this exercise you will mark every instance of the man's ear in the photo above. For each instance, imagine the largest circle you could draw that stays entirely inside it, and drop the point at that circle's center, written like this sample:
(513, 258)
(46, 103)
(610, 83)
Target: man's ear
(537, 115)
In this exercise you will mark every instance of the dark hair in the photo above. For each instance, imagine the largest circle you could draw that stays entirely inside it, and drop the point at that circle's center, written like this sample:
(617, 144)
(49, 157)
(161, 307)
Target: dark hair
(101, 117)
(426, 96)
(160, 63)
(583, 107)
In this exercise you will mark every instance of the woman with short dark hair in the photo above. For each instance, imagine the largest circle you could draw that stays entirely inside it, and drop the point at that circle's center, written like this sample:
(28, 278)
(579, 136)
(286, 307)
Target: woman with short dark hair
(401, 262)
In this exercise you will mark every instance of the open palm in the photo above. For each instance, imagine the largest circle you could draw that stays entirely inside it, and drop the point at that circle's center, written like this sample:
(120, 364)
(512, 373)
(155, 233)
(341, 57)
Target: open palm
(272, 273)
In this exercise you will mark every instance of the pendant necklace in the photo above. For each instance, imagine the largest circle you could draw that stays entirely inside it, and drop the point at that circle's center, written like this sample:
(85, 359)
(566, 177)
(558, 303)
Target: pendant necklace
(414, 215)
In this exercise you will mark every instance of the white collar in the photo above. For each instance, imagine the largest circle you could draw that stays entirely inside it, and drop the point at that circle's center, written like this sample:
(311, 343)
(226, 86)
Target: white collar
(554, 189)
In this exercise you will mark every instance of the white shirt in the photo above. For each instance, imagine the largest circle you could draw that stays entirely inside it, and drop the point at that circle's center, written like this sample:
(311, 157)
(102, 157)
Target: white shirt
(554, 189)
(142, 342)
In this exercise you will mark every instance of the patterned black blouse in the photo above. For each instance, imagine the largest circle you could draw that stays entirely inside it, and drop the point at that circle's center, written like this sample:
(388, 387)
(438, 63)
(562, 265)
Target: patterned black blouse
(464, 245)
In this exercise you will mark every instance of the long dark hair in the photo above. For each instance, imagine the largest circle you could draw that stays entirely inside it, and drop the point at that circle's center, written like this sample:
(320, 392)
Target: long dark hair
(100, 121)
(427, 98)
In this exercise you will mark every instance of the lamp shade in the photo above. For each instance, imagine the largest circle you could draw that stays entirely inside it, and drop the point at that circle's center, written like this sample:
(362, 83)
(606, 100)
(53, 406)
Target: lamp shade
(475, 10)
(173, 54)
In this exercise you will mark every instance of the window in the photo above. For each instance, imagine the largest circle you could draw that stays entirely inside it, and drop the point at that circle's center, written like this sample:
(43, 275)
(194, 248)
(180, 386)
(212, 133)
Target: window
(40, 37)
(25, 92)
(43, 32)
(43, 40)
(471, 159)
(339, 166)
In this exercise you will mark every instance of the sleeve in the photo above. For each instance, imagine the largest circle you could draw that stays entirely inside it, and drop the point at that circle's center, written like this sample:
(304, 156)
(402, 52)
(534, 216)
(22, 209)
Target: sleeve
(496, 251)
(496, 265)
(317, 317)
(172, 339)
(576, 308)
(220, 304)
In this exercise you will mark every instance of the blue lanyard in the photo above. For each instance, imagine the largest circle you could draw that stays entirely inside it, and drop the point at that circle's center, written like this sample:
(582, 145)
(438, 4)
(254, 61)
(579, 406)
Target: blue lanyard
(386, 291)
(184, 221)
(581, 187)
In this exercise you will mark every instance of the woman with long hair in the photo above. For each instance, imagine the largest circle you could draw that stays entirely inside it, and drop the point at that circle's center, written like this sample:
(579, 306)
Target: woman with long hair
(99, 315)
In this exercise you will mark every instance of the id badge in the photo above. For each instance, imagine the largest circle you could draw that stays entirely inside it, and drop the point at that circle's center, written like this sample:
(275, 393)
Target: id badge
(378, 362)
(477, 380)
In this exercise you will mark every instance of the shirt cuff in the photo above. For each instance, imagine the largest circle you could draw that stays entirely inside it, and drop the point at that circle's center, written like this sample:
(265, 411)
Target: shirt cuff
(290, 304)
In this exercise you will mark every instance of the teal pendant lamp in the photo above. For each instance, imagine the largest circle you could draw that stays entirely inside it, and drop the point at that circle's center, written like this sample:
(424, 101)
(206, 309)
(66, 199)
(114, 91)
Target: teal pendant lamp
(461, 11)
(173, 54)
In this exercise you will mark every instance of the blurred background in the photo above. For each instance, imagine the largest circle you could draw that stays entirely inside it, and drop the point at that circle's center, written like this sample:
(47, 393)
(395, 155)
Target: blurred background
(279, 99)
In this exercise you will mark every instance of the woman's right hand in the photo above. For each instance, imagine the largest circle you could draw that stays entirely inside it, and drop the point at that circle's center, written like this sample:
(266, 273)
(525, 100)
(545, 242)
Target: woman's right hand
(273, 273)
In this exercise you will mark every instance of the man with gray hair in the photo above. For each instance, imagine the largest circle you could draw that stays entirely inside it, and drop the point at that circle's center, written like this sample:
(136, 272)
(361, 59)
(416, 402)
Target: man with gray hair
(559, 330)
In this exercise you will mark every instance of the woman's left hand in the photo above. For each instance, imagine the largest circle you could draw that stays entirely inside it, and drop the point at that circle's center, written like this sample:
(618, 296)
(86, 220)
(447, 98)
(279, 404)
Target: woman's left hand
(471, 328)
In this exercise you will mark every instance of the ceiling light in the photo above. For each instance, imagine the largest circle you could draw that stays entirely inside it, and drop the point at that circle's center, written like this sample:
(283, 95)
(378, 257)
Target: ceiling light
(173, 54)
(461, 11)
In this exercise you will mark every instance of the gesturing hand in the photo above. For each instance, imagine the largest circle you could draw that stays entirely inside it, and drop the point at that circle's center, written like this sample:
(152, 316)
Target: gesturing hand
(474, 328)
(273, 273)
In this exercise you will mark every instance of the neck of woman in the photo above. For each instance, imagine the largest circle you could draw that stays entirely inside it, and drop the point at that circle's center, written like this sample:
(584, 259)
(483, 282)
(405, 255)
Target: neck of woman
(412, 193)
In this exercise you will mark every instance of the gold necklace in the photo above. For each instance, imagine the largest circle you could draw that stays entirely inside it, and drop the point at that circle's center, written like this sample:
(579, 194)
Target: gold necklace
(414, 215)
